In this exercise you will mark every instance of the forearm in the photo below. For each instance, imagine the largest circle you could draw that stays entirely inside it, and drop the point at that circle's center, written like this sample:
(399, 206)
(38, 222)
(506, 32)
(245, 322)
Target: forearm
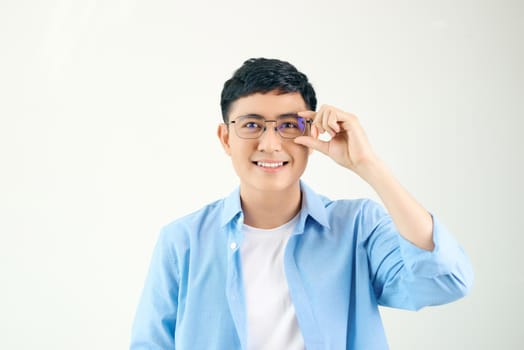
(350, 148)
(411, 219)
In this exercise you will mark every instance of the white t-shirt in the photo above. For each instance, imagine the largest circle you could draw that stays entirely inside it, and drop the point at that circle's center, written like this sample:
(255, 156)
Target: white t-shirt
(271, 319)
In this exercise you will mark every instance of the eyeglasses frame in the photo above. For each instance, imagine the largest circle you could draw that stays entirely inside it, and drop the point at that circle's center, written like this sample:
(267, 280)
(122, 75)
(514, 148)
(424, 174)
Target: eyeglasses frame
(307, 121)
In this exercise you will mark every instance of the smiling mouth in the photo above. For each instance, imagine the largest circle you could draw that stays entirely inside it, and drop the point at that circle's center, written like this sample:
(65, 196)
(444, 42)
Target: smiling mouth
(270, 165)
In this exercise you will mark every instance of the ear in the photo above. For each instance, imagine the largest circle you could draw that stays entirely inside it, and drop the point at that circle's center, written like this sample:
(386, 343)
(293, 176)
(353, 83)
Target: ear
(223, 136)
(313, 133)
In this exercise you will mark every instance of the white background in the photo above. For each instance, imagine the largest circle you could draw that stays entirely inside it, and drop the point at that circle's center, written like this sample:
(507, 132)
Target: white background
(108, 114)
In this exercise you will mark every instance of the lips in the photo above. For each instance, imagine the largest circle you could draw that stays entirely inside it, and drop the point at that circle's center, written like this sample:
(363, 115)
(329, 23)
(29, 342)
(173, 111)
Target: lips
(270, 164)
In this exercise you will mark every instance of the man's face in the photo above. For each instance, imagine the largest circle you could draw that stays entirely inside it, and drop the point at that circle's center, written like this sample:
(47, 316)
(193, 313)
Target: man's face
(268, 163)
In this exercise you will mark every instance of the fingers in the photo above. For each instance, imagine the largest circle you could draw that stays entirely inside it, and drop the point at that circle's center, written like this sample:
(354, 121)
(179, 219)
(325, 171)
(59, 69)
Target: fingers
(330, 119)
(323, 118)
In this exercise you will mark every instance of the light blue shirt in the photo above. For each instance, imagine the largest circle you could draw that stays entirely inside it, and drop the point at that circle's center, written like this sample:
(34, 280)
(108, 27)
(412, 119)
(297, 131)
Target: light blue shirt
(343, 260)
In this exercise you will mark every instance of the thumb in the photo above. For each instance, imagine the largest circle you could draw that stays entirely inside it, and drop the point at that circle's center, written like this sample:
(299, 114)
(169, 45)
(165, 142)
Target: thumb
(314, 143)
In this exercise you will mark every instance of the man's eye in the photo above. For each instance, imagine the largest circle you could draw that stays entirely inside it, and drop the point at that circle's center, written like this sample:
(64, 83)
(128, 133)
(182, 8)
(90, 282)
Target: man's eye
(289, 125)
(251, 125)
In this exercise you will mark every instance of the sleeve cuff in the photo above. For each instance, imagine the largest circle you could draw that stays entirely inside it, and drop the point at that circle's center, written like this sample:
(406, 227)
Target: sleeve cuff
(442, 260)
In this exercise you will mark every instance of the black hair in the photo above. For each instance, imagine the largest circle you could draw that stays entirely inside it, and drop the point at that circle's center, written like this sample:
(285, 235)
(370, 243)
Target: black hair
(262, 75)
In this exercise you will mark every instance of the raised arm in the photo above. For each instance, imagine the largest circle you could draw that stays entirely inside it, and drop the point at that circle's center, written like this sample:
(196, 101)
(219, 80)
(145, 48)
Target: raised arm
(350, 148)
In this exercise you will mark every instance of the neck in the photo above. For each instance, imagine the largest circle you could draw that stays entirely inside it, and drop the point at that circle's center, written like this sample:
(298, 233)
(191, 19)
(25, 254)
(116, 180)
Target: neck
(263, 209)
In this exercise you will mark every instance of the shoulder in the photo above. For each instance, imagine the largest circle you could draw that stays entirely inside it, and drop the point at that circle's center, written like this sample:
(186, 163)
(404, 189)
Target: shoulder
(358, 211)
(364, 207)
(361, 216)
(192, 223)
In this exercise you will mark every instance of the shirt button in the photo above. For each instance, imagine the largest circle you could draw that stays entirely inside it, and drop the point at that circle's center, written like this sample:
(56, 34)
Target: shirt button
(233, 245)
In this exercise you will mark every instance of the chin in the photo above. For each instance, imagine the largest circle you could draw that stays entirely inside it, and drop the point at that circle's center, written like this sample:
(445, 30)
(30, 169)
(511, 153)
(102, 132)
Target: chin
(273, 185)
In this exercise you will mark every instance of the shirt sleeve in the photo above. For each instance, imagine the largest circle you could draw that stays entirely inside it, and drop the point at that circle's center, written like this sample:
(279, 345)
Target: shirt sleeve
(155, 319)
(406, 276)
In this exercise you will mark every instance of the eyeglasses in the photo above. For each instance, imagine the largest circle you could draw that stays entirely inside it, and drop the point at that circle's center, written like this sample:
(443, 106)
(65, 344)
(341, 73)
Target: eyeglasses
(288, 126)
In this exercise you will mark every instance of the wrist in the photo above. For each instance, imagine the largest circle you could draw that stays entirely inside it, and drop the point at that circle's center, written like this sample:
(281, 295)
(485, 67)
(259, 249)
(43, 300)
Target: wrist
(372, 171)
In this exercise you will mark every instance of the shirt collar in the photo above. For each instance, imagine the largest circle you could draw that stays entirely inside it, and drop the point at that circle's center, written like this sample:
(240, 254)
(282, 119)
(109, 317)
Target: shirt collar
(312, 205)
(232, 207)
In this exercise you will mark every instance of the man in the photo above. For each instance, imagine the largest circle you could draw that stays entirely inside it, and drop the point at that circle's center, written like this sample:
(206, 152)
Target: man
(277, 266)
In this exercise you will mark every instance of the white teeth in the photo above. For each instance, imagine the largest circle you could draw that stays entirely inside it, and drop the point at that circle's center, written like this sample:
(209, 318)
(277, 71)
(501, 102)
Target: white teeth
(270, 165)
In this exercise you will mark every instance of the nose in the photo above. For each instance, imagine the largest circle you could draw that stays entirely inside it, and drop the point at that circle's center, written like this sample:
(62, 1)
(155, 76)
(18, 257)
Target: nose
(270, 140)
